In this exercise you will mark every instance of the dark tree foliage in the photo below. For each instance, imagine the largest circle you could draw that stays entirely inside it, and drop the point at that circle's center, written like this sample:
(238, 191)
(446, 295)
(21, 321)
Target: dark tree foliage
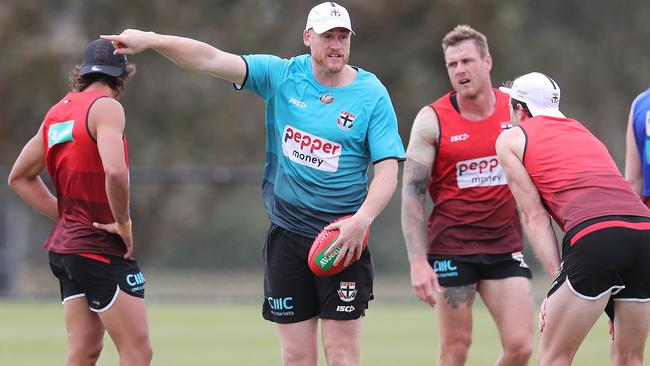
(596, 50)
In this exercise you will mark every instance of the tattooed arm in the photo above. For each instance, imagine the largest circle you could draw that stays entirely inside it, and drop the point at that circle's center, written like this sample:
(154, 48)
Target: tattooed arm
(420, 155)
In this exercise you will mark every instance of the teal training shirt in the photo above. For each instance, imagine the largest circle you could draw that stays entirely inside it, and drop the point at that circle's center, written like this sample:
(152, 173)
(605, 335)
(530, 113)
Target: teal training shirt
(319, 140)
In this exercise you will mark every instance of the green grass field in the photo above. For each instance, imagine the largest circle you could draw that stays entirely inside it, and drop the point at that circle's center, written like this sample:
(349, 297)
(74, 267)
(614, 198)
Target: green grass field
(191, 334)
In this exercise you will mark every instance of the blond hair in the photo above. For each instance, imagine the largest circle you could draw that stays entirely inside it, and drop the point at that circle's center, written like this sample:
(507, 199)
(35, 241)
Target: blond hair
(464, 32)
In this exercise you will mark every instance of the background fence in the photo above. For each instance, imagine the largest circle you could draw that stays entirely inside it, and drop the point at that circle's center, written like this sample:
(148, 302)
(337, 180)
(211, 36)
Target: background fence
(198, 234)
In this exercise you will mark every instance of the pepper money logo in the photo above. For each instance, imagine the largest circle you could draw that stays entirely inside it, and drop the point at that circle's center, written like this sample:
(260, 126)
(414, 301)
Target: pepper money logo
(480, 172)
(310, 150)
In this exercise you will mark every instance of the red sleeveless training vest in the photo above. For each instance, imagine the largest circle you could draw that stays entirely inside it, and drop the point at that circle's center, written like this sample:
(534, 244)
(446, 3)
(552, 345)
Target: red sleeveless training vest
(474, 211)
(77, 172)
(574, 173)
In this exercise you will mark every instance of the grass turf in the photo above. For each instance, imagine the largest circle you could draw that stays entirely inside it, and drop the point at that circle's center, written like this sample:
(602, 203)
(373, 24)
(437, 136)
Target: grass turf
(32, 333)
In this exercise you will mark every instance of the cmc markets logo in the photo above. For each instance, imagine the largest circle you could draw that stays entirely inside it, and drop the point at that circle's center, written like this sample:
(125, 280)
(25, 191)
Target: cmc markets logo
(281, 306)
(445, 268)
(281, 303)
(135, 279)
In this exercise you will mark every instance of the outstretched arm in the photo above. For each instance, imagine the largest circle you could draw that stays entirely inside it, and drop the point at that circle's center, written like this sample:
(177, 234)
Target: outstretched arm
(420, 155)
(26, 181)
(185, 52)
(536, 220)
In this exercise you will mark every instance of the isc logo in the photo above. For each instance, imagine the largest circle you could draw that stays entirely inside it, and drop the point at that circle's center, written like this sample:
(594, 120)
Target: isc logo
(461, 137)
(345, 309)
(283, 303)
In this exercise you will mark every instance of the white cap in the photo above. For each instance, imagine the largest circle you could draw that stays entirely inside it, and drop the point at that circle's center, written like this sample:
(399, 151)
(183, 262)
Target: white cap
(326, 16)
(540, 93)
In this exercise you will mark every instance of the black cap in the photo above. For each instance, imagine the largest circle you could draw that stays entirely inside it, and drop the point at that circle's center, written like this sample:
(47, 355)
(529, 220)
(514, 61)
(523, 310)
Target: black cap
(99, 57)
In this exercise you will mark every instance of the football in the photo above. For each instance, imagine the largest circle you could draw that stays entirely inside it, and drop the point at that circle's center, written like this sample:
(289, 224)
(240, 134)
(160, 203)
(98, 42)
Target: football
(321, 264)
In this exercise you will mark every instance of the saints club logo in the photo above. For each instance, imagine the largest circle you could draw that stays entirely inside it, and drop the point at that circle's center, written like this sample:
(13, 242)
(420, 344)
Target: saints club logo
(555, 98)
(346, 121)
(347, 291)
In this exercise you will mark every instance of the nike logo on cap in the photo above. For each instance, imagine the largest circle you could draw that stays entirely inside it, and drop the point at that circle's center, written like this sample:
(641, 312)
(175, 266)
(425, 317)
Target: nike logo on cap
(96, 68)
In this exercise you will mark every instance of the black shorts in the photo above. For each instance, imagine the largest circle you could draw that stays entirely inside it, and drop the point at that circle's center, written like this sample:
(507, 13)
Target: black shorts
(607, 255)
(463, 270)
(97, 277)
(292, 293)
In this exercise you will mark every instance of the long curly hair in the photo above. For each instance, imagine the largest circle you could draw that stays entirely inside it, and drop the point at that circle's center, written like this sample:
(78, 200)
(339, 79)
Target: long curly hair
(117, 83)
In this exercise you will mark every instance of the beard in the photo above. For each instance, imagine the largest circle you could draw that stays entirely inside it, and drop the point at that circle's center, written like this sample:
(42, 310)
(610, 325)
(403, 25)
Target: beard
(322, 61)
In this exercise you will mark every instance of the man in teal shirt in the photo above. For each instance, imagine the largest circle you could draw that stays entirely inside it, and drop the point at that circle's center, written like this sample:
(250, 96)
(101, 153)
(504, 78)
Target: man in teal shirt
(326, 121)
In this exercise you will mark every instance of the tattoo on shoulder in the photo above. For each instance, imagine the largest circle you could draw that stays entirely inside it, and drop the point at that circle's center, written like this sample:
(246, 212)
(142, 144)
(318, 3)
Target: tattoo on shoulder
(460, 295)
